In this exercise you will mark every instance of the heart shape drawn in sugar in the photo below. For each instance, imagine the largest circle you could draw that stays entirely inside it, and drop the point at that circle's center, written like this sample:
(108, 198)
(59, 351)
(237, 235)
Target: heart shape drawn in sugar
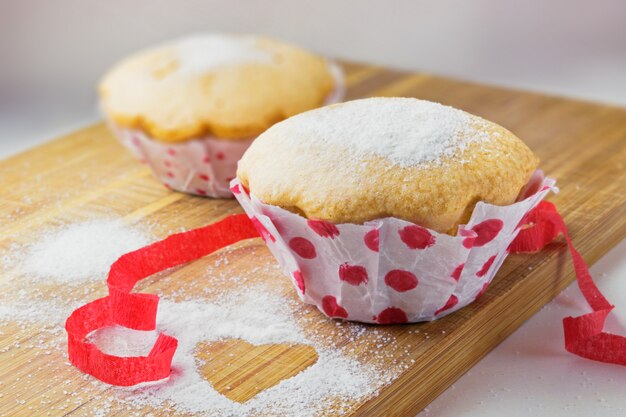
(242, 354)
(240, 370)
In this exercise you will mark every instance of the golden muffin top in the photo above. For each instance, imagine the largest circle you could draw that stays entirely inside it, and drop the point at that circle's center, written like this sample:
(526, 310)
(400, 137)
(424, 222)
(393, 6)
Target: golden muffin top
(387, 157)
(230, 86)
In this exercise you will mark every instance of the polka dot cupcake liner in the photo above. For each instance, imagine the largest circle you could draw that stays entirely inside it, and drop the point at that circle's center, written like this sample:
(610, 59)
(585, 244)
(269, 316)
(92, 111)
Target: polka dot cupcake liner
(204, 166)
(200, 166)
(390, 270)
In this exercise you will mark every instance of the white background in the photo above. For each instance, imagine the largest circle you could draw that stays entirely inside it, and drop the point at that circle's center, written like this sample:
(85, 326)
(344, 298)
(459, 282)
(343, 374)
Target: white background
(53, 52)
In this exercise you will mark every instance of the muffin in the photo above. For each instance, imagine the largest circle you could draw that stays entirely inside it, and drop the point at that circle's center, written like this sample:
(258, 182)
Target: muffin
(388, 210)
(190, 108)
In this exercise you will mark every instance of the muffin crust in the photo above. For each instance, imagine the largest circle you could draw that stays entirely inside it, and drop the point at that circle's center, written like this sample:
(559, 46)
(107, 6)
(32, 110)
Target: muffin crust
(232, 87)
(354, 176)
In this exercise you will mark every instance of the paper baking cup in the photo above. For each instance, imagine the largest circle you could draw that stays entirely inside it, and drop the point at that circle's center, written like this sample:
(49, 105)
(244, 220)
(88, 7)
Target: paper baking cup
(390, 270)
(203, 166)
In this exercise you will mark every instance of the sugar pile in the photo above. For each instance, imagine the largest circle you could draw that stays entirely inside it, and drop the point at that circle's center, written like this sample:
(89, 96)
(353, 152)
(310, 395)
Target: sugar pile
(258, 316)
(82, 251)
(407, 131)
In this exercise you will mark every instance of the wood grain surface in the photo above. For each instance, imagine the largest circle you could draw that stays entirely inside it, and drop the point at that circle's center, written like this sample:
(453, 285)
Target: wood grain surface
(87, 175)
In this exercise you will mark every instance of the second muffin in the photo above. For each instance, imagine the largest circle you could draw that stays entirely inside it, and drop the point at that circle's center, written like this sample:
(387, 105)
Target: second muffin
(192, 107)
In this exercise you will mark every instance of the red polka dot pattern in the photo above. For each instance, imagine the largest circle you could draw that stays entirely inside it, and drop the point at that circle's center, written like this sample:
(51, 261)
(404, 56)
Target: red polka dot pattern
(235, 189)
(487, 231)
(202, 166)
(416, 274)
(332, 309)
(485, 268)
(371, 239)
(323, 228)
(303, 247)
(452, 301)
(353, 274)
(392, 315)
(400, 280)
(297, 276)
(482, 291)
(265, 234)
(468, 242)
(456, 274)
(416, 237)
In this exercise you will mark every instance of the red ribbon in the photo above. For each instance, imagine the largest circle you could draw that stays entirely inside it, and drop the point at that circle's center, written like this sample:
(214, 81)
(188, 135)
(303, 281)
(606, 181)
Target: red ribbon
(138, 311)
(583, 335)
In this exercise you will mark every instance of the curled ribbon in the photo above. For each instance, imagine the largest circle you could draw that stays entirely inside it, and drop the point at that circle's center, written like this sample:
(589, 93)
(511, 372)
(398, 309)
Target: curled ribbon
(138, 311)
(584, 335)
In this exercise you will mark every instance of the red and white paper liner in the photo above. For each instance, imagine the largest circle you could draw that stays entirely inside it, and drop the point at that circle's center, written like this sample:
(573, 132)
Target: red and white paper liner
(389, 270)
(204, 166)
(584, 335)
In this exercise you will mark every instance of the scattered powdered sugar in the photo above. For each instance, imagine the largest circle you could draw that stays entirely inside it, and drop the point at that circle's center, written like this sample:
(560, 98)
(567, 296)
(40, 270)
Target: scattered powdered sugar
(258, 316)
(201, 53)
(26, 310)
(407, 131)
(332, 377)
(81, 251)
(122, 341)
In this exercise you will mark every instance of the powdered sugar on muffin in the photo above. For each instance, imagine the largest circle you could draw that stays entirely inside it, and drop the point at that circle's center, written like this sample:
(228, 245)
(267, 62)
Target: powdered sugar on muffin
(387, 157)
(406, 131)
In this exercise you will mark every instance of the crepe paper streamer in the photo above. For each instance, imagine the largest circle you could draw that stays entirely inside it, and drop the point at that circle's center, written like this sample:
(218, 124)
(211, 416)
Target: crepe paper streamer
(115, 370)
(138, 311)
(584, 335)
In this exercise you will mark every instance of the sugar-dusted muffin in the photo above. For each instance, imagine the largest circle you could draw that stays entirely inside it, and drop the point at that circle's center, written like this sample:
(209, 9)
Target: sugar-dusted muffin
(389, 210)
(191, 107)
(387, 157)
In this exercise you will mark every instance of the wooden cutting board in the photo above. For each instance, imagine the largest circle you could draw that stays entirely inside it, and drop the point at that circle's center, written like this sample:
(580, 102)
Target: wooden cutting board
(88, 174)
